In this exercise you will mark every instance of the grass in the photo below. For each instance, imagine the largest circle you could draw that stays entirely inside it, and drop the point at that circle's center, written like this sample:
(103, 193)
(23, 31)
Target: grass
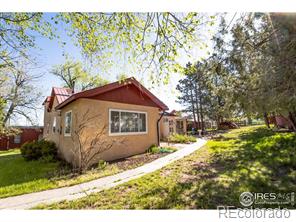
(18, 176)
(251, 159)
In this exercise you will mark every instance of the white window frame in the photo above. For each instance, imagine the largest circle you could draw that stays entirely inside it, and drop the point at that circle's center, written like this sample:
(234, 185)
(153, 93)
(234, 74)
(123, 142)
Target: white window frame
(68, 134)
(19, 141)
(54, 124)
(127, 133)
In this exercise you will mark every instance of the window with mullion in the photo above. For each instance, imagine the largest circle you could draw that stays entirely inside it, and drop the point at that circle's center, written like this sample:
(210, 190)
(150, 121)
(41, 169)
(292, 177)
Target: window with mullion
(127, 122)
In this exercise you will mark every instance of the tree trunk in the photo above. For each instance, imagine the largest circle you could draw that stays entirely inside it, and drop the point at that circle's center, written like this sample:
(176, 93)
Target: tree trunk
(8, 114)
(266, 120)
(201, 112)
(197, 106)
(193, 108)
(292, 120)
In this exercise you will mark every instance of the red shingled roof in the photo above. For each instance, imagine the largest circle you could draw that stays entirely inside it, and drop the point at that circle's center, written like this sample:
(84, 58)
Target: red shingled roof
(60, 93)
(110, 87)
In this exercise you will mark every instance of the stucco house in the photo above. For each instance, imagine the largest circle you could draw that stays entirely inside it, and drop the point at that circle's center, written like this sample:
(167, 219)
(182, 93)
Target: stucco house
(124, 114)
(172, 123)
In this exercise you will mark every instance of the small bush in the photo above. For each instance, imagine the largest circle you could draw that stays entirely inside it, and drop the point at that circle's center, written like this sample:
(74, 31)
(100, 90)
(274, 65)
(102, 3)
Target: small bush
(178, 138)
(45, 150)
(102, 164)
(155, 149)
(48, 150)
(167, 149)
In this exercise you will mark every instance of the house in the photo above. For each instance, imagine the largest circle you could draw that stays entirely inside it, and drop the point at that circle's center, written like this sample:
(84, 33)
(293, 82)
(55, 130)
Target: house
(27, 134)
(280, 121)
(122, 117)
(172, 123)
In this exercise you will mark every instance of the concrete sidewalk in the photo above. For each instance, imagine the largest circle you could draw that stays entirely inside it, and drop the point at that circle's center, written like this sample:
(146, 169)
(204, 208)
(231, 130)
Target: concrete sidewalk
(27, 201)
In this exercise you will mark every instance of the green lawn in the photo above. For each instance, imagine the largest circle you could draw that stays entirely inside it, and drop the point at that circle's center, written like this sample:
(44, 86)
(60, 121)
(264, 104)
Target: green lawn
(248, 159)
(18, 176)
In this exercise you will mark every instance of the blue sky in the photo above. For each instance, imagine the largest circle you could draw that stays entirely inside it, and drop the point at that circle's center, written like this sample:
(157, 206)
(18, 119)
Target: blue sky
(50, 53)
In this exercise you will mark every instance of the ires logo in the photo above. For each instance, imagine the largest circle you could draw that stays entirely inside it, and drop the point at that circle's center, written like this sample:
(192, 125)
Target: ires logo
(247, 198)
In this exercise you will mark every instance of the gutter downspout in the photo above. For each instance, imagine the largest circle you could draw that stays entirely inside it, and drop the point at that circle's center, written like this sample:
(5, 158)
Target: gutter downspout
(157, 126)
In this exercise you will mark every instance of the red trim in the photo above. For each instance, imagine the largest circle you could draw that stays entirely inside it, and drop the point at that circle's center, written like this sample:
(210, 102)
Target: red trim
(113, 86)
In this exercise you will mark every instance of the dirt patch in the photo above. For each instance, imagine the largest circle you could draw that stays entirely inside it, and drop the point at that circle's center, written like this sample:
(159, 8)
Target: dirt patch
(138, 160)
(165, 173)
(186, 178)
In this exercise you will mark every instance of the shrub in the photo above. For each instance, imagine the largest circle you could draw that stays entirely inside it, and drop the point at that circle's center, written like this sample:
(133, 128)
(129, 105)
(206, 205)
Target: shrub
(102, 164)
(167, 149)
(42, 149)
(48, 149)
(155, 149)
(30, 151)
(178, 138)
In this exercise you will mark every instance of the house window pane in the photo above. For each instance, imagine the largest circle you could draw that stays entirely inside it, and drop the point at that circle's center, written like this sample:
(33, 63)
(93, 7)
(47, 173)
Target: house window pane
(68, 121)
(115, 123)
(127, 122)
(17, 139)
(142, 122)
(54, 124)
(180, 124)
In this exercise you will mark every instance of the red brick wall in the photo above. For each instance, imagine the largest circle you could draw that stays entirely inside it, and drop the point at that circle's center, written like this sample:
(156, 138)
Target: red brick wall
(27, 135)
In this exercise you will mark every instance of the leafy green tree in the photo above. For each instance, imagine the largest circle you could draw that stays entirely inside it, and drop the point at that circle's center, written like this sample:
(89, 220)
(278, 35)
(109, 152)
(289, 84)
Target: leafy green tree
(149, 39)
(17, 35)
(75, 77)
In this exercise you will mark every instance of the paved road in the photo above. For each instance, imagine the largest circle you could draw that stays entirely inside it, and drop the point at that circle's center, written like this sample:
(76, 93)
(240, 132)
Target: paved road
(27, 201)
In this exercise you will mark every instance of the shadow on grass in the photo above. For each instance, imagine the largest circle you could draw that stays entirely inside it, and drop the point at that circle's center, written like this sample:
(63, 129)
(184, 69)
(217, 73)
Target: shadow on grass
(256, 161)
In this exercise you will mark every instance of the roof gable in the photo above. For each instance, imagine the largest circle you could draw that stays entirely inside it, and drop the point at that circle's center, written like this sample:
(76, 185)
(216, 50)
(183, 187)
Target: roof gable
(61, 94)
(127, 91)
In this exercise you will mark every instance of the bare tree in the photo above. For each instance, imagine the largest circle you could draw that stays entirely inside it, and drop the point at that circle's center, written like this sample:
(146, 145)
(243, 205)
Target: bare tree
(18, 94)
(90, 139)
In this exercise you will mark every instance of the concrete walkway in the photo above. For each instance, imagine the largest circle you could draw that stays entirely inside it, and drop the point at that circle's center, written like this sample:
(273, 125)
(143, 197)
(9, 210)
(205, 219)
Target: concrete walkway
(27, 201)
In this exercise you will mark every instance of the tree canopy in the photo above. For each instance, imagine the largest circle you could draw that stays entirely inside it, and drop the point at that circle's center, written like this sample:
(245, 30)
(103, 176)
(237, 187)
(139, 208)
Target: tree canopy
(252, 69)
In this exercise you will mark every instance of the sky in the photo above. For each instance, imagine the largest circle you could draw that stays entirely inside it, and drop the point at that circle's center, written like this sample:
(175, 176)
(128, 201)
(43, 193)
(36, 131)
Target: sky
(50, 53)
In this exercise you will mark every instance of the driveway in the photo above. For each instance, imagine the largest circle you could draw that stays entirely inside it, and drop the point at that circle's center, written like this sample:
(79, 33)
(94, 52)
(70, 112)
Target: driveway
(27, 201)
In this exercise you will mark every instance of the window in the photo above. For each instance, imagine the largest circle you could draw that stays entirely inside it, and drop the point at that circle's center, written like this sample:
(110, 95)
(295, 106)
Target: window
(171, 122)
(127, 122)
(54, 124)
(166, 120)
(17, 139)
(180, 124)
(68, 123)
(171, 129)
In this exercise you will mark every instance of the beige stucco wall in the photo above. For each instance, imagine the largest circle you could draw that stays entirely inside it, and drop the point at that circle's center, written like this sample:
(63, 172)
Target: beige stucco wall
(123, 145)
(165, 126)
(48, 123)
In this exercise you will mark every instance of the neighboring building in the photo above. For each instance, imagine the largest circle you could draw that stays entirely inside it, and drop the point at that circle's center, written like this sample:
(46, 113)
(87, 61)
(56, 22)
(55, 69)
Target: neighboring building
(280, 121)
(128, 110)
(27, 134)
(172, 123)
